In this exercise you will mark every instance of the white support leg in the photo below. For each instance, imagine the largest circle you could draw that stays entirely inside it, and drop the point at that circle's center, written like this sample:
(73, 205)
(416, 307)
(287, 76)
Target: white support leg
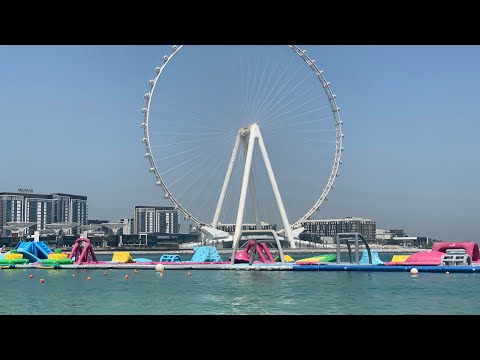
(253, 194)
(273, 182)
(254, 203)
(253, 133)
(226, 182)
(243, 195)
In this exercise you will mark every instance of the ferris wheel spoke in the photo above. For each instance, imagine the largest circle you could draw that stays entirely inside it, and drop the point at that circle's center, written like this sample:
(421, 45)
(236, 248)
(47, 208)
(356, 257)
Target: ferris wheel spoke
(276, 87)
(194, 164)
(310, 121)
(207, 186)
(179, 143)
(274, 109)
(278, 96)
(281, 116)
(260, 88)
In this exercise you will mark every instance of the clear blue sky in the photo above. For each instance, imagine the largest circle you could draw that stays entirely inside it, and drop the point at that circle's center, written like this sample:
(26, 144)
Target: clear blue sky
(70, 122)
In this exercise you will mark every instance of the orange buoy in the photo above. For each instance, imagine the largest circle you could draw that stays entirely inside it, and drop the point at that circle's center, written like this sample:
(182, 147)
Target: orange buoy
(89, 278)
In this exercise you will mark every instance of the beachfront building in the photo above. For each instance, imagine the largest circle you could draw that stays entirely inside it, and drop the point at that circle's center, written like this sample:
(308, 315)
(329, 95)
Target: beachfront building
(128, 228)
(96, 229)
(230, 228)
(320, 230)
(156, 219)
(122, 227)
(400, 238)
(385, 236)
(40, 209)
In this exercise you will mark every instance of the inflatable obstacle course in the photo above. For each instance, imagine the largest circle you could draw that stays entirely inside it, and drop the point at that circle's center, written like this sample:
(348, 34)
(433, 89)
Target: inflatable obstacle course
(38, 249)
(27, 252)
(206, 254)
(123, 257)
(314, 260)
(56, 258)
(287, 258)
(375, 258)
(202, 254)
(13, 255)
(82, 252)
(57, 255)
(253, 248)
(170, 258)
(399, 258)
(13, 258)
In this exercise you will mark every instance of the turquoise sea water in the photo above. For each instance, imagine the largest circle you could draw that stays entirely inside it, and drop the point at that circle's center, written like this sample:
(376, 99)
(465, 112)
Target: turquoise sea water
(148, 292)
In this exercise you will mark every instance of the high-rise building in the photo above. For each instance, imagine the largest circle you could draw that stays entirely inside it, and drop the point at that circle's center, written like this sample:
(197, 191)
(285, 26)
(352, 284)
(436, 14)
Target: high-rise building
(70, 208)
(156, 219)
(38, 209)
(11, 208)
(42, 209)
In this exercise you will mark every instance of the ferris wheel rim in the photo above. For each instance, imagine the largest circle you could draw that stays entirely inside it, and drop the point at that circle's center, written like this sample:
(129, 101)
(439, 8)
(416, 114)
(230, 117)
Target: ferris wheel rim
(334, 173)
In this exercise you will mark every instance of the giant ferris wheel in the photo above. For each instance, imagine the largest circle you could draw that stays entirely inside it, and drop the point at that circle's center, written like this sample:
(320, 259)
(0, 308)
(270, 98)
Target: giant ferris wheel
(242, 134)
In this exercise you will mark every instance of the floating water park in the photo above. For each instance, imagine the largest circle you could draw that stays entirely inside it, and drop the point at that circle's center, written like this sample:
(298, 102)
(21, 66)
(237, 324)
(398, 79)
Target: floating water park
(239, 186)
(460, 257)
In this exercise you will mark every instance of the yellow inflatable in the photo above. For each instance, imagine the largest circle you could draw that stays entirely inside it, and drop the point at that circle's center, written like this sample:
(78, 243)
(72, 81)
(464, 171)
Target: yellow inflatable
(399, 258)
(122, 257)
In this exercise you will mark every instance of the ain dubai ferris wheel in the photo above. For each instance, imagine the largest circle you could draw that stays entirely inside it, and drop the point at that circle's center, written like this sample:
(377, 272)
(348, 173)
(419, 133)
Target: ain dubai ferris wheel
(242, 135)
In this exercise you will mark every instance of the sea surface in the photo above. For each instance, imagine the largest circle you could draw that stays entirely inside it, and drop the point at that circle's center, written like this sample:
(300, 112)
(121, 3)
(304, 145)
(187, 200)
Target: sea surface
(223, 292)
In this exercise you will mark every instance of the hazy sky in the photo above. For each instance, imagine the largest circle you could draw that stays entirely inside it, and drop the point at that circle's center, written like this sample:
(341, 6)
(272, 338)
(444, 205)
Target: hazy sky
(70, 122)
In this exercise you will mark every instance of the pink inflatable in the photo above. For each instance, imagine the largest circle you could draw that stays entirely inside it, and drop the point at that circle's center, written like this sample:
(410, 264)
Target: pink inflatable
(83, 252)
(262, 251)
(433, 257)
